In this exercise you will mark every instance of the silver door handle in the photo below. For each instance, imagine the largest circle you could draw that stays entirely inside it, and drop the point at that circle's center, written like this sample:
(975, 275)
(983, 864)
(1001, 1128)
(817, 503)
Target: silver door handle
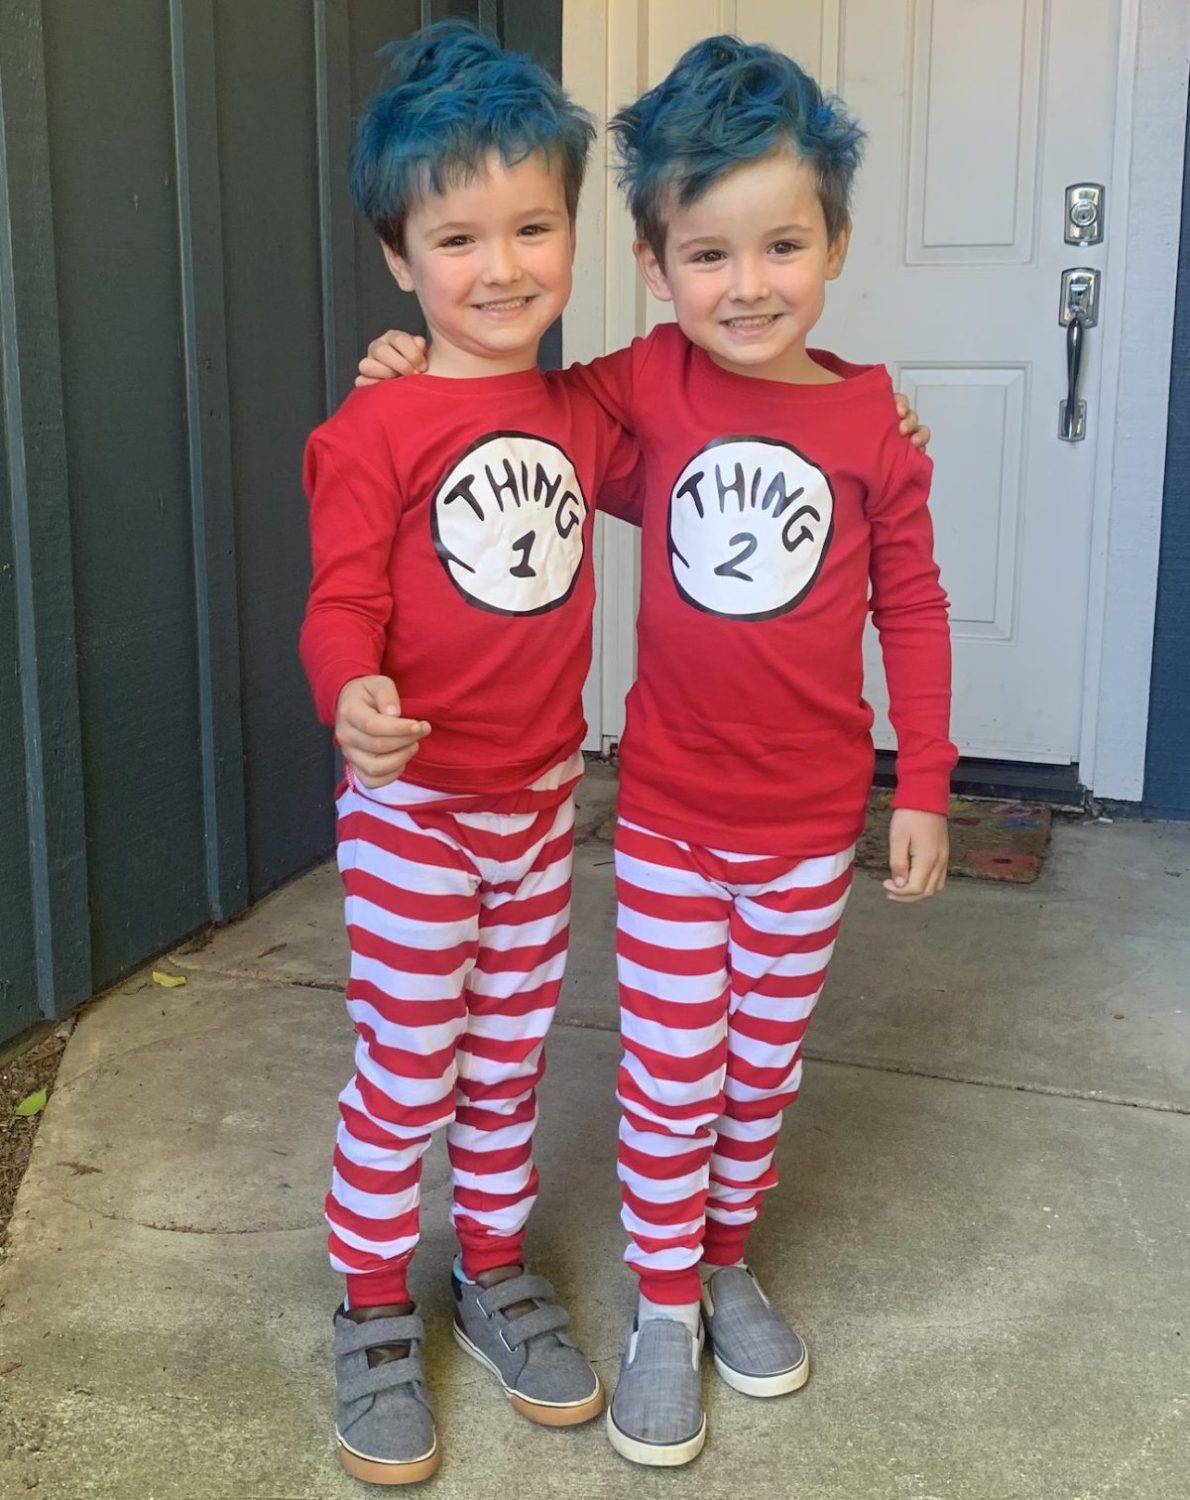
(1077, 311)
(1074, 411)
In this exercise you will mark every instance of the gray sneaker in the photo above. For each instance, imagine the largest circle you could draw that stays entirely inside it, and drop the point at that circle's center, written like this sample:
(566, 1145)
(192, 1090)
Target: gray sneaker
(541, 1369)
(383, 1419)
(656, 1415)
(754, 1348)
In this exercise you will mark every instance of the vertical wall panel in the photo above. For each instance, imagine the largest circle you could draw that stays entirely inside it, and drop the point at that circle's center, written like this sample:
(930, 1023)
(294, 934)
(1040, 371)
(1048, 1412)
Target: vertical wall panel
(115, 217)
(18, 988)
(268, 155)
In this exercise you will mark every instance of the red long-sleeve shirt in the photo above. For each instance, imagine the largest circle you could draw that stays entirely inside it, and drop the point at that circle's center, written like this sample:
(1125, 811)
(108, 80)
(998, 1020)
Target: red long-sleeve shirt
(450, 526)
(769, 511)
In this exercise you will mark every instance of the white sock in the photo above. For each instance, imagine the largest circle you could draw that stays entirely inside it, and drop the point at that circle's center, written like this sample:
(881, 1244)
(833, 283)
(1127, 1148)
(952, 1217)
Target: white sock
(705, 1272)
(688, 1313)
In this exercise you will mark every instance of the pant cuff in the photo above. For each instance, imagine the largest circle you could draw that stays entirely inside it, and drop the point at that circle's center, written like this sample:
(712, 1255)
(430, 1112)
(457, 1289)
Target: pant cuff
(379, 1288)
(489, 1253)
(671, 1288)
(724, 1245)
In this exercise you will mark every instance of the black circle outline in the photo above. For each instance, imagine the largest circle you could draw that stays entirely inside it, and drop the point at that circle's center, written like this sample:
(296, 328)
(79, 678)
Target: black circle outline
(767, 614)
(444, 552)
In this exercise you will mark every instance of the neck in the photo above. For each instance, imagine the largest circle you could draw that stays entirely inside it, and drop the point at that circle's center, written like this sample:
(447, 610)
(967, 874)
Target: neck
(793, 366)
(451, 363)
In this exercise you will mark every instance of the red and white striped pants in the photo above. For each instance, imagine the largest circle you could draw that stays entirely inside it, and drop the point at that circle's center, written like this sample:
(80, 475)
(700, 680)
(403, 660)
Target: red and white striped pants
(721, 959)
(458, 925)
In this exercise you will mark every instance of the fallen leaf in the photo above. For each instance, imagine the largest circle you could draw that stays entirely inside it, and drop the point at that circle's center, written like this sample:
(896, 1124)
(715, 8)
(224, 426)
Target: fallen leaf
(275, 948)
(168, 981)
(32, 1104)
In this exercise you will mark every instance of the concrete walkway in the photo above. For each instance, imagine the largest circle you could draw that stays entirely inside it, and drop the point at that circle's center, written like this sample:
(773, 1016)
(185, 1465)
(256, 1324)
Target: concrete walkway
(982, 1226)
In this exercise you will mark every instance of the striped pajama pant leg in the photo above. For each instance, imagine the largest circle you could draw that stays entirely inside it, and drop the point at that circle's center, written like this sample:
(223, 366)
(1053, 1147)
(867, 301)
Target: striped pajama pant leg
(458, 925)
(721, 959)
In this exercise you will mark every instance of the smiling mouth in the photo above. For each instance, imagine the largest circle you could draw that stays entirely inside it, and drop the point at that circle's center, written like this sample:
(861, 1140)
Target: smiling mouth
(752, 321)
(505, 305)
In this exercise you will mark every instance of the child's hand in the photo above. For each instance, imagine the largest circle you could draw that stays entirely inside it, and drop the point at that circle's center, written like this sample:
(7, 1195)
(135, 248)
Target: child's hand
(397, 353)
(377, 743)
(918, 851)
(911, 428)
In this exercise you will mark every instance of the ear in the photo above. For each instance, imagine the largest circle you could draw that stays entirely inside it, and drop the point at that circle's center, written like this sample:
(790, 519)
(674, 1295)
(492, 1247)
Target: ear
(837, 251)
(399, 266)
(652, 271)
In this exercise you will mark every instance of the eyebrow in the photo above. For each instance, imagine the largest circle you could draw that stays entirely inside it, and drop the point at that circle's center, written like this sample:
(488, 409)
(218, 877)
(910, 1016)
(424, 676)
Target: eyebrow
(715, 239)
(460, 226)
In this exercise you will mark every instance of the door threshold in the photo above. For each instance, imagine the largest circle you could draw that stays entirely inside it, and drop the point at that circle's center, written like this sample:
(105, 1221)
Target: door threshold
(1003, 780)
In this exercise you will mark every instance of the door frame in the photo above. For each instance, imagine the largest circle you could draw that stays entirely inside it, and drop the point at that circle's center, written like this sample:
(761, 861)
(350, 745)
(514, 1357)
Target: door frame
(1139, 289)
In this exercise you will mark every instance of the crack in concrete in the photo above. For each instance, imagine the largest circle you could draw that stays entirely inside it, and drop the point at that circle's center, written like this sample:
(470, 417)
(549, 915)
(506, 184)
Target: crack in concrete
(1051, 1091)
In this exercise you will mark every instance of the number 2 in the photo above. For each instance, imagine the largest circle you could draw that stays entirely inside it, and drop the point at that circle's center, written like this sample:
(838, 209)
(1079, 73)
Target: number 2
(729, 569)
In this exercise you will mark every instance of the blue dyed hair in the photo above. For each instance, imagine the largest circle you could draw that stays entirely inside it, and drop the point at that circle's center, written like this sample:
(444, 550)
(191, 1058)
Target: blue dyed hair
(725, 103)
(453, 96)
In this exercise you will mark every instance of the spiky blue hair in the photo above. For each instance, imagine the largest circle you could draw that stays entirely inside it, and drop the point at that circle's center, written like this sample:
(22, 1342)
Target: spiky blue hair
(454, 95)
(726, 102)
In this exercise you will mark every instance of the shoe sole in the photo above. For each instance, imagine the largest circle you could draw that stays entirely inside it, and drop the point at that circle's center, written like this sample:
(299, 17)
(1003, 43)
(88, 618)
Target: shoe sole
(764, 1385)
(380, 1471)
(544, 1413)
(656, 1455)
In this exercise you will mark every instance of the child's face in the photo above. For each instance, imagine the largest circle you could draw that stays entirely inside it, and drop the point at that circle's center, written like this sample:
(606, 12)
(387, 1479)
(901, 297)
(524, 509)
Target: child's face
(490, 261)
(746, 267)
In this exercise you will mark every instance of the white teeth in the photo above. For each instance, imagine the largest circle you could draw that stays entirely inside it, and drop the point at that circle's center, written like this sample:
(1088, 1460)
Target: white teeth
(754, 322)
(504, 306)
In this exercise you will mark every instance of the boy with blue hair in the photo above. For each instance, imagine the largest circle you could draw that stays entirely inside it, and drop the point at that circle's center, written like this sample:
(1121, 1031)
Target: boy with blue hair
(778, 493)
(446, 639)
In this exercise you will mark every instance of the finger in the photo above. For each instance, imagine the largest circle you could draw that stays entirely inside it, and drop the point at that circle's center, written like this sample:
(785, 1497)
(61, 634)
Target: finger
(902, 407)
(378, 770)
(921, 437)
(908, 419)
(373, 370)
(381, 735)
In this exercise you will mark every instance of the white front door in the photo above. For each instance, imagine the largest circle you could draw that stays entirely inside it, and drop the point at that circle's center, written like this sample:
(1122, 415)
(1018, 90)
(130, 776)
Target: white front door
(979, 114)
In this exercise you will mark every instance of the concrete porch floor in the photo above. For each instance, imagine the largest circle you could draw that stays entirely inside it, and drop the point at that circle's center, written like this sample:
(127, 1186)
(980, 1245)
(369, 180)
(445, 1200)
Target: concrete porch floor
(981, 1229)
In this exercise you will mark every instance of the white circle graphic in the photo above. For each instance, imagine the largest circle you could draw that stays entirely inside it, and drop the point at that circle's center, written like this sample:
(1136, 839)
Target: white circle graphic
(508, 523)
(750, 520)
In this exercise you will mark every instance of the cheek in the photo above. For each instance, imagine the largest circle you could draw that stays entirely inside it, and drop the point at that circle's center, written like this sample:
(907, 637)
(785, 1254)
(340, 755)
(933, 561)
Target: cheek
(695, 298)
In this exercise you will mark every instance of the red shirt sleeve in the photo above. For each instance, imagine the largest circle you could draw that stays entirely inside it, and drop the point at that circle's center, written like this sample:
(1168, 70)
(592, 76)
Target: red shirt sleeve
(611, 381)
(910, 611)
(354, 513)
(622, 493)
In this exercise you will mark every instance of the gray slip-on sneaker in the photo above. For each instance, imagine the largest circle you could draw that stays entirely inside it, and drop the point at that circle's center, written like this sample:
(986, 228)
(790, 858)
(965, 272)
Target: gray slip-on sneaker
(656, 1415)
(383, 1418)
(542, 1371)
(753, 1347)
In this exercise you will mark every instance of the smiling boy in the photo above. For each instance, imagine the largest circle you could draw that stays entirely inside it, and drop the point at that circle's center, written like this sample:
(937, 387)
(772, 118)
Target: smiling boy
(447, 637)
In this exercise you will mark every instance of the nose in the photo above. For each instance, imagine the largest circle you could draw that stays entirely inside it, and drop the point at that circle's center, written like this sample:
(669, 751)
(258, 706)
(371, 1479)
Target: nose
(501, 266)
(750, 283)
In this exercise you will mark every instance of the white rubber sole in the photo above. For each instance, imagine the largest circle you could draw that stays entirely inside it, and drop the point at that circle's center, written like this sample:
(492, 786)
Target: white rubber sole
(764, 1385)
(545, 1413)
(656, 1455)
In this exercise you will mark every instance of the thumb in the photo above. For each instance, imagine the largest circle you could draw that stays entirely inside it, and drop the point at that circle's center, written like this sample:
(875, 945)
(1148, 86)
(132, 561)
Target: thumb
(386, 697)
(898, 855)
